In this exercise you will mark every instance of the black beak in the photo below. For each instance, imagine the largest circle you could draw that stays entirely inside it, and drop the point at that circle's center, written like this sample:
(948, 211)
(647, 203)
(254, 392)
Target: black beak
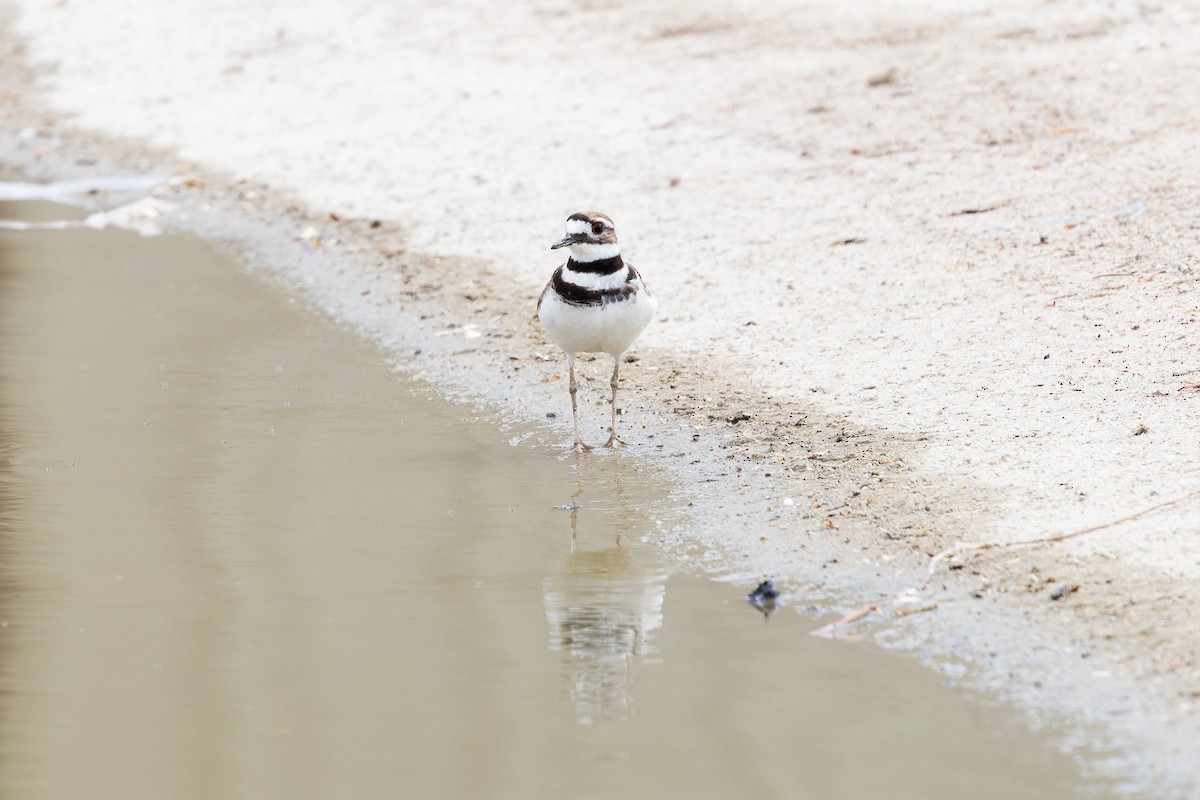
(567, 240)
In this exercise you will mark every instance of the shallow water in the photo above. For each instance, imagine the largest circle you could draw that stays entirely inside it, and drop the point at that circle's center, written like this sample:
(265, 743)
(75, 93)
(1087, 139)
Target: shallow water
(241, 559)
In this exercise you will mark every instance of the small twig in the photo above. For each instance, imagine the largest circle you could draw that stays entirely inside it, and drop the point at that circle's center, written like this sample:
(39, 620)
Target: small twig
(905, 611)
(1062, 537)
(832, 629)
(968, 211)
(855, 616)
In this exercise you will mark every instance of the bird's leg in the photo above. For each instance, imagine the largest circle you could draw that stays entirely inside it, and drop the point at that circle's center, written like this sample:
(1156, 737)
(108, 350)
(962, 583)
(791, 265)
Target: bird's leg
(579, 446)
(612, 435)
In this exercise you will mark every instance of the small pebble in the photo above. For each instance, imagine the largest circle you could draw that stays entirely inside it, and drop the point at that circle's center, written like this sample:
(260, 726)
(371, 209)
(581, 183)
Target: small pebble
(766, 591)
(1062, 590)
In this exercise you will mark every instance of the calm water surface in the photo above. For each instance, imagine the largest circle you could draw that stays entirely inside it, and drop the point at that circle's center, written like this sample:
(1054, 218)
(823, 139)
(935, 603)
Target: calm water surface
(240, 559)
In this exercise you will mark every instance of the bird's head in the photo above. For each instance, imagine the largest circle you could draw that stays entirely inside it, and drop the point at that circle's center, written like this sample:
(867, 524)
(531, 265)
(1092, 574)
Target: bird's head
(590, 235)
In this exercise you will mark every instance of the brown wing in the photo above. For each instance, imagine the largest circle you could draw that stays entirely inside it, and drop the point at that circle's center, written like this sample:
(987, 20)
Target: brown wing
(635, 275)
(549, 288)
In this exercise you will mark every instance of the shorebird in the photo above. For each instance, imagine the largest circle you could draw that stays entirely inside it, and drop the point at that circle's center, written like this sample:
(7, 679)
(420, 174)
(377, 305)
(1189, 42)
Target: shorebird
(594, 303)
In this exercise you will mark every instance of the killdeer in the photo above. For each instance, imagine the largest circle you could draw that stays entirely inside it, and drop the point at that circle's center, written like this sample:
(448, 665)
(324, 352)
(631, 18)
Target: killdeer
(594, 303)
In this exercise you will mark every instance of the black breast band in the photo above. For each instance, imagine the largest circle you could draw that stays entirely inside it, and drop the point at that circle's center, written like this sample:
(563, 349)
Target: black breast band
(603, 266)
(581, 296)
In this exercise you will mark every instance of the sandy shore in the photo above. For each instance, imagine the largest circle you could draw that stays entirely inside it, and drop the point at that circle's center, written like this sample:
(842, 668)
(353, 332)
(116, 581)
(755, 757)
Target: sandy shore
(928, 270)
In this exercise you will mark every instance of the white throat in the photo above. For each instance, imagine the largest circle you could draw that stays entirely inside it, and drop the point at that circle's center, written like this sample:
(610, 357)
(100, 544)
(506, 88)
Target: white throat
(590, 251)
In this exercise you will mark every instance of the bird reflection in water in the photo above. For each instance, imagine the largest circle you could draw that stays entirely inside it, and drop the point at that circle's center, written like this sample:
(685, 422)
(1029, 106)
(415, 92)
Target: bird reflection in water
(602, 608)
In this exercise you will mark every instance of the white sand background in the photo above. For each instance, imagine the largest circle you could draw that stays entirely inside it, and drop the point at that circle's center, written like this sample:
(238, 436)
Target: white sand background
(965, 233)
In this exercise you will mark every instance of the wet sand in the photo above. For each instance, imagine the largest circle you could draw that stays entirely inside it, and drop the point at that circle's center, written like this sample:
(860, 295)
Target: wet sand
(243, 559)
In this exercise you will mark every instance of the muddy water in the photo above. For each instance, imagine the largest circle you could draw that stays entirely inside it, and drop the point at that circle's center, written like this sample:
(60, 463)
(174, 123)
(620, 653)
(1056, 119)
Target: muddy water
(240, 559)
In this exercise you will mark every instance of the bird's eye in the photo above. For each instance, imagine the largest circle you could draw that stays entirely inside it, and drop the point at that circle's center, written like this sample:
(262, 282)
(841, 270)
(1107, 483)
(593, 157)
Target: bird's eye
(597, 228)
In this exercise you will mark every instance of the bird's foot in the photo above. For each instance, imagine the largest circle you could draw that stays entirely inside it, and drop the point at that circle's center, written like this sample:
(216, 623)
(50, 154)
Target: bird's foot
(580, 446)
(614, 442)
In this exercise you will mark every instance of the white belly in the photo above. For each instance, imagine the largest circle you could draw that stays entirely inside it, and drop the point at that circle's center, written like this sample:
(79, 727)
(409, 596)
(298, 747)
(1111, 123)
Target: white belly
(609, 328)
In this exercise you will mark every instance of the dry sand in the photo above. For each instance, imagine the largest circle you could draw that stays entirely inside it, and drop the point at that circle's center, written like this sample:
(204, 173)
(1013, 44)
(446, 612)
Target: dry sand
(929, 270)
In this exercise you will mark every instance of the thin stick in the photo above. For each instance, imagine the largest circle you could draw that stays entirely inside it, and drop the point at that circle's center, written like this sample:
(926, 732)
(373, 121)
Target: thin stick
(905, 611)
(832, 629)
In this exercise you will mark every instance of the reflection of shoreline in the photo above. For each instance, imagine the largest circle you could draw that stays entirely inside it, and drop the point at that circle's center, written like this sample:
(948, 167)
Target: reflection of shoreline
(602, 608)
